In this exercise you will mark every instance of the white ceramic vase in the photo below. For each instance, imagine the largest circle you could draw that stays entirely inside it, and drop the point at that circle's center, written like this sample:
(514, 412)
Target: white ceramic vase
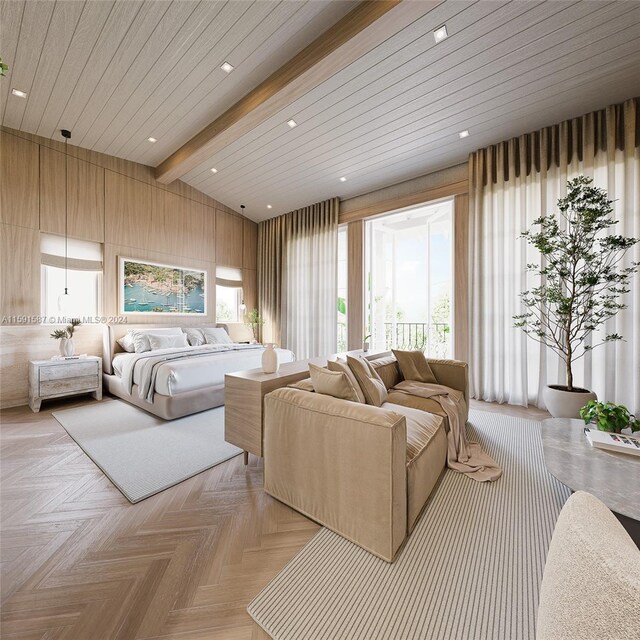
(67, 348)
(270, 362)
(566, 404)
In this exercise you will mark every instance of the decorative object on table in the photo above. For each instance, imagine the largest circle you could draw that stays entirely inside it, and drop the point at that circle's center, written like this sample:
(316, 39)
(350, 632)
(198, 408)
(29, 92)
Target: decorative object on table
(608, 416)
(580, 284)
(255, 321)
(365, 343)
(67, 346)
(64, 377)
(613, 441)
(151, 288)
(270, 362)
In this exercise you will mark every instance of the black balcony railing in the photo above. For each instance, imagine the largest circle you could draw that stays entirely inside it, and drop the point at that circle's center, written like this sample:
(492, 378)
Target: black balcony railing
(416, 335)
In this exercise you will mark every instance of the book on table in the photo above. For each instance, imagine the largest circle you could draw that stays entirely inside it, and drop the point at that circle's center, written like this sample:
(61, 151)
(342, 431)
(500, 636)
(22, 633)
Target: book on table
(613, 441)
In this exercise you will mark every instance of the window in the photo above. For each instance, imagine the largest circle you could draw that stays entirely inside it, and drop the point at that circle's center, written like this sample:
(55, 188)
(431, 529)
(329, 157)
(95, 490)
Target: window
(342, 288)
(409, 279)
(82, 278)
(229, 294)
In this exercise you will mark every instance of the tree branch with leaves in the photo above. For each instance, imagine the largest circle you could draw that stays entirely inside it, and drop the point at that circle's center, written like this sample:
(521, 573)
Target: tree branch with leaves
(581, 279)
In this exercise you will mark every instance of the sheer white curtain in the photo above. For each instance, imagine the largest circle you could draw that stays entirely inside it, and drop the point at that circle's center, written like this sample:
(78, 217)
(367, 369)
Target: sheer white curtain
(513, 183)
(298, 279)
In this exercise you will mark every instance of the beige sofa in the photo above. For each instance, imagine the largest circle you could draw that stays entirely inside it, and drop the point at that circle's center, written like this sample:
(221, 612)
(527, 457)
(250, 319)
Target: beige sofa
(365, 472)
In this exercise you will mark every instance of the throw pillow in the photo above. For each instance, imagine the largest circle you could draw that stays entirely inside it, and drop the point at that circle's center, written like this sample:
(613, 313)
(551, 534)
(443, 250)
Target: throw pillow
(126, 342)
(371, 384)
(332, 383)
(167, 342)
(342, 366)
(195, 337)
(141, 336)
(216, 335)
(414, 366)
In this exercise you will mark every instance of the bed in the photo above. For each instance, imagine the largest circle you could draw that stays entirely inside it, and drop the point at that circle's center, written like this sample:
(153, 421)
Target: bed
(177, 381)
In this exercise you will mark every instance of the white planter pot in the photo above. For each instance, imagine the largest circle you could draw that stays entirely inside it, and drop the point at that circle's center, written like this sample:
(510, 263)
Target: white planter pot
(67, 347)
(566, 404)
(270, 362)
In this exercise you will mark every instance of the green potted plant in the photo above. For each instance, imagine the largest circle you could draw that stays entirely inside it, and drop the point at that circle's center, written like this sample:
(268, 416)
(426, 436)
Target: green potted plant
(67, 346)
(580, 287)
(608, 416)
(255, 321)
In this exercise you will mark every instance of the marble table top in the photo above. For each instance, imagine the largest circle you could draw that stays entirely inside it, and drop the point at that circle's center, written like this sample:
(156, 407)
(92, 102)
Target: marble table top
(612, 477)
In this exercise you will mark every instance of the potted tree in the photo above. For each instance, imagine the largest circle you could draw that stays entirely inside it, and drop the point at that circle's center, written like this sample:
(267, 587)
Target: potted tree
(580, 288)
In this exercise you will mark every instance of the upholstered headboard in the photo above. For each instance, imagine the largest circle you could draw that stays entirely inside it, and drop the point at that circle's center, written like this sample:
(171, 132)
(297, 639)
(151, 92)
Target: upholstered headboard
(238, 332)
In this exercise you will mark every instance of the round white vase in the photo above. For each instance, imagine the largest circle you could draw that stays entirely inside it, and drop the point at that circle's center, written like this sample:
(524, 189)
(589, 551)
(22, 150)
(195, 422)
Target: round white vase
(67, 348)
(566, 404)
(270, 362)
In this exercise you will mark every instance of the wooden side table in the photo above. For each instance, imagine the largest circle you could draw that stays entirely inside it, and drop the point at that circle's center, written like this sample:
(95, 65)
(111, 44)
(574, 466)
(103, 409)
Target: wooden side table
(60, 378)
(244, 393)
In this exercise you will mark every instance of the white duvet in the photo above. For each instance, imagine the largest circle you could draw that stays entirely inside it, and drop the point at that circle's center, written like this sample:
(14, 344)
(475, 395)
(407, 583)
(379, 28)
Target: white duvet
(177, 376)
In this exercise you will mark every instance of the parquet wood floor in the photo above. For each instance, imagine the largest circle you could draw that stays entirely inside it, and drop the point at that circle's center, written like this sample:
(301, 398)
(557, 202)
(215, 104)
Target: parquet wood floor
(79, 562)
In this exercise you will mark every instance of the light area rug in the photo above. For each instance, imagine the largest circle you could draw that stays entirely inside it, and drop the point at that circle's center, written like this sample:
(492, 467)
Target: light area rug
(143, 454)
(471, 569)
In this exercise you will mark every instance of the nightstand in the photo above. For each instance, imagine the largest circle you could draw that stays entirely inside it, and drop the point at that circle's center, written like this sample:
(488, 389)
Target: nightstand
(60, 378)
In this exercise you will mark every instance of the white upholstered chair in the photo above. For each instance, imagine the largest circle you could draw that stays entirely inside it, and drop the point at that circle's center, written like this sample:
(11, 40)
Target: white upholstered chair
(591, 584)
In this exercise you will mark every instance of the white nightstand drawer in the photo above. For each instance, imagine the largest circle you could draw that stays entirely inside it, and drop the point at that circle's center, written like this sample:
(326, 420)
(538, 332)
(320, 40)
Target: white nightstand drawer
(69, 385)
(72, 370)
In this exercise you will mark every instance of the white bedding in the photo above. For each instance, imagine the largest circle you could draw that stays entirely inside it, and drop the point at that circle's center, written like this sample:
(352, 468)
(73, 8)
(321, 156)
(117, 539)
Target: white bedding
(174, 377)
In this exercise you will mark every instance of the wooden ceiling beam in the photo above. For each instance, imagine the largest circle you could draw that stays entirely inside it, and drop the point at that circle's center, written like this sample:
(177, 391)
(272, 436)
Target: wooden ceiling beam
(343, 43)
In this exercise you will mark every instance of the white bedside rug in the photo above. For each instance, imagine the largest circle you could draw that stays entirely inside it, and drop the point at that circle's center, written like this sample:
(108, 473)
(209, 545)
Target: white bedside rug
(471, 569)
(143, 454)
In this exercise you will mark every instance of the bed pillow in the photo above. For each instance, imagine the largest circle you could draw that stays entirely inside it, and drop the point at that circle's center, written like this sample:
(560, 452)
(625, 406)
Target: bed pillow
(195, 337)
(141, 336)
(216, 335)
(167, 342)
(126, 342)
(370, 382)
(332, 383)
(341, 365)
(414, 366)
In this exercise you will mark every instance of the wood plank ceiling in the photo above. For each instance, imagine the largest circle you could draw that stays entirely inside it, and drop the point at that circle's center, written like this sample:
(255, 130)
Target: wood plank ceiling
(116, 73)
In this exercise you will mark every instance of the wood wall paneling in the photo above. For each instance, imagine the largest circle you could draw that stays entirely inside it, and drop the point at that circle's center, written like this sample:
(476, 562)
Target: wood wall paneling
(128, 210)
(460, 309)
(20, 273)
(250, 250)
(19, 189)
(85, 184)
(229, 239)
(355, 284)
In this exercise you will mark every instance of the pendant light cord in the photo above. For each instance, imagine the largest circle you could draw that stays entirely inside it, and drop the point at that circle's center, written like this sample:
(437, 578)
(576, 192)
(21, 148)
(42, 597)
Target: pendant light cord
(66, 213)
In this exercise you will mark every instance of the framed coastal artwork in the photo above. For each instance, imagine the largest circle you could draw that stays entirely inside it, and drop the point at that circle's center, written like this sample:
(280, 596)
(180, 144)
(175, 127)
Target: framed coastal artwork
(152, 288)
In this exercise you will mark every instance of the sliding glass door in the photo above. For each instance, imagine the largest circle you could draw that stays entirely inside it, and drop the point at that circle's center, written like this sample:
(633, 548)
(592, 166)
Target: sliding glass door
(409, 283)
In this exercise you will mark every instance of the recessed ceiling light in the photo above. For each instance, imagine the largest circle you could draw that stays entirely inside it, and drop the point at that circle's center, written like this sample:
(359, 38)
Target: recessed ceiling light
(269, 206)
(292, 123)
(464, 134)
(18, 93)
(343, 179)
(440, 34)
(226, 67)
(214, 170)
(152, 140)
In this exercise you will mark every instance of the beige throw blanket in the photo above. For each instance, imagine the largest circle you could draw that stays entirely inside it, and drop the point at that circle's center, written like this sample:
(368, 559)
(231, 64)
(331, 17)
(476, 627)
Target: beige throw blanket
(462, 456)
